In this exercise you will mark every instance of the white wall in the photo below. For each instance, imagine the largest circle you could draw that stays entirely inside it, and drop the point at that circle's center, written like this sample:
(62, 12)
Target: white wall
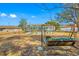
(50, 28)
(11, 30)
(68, 29)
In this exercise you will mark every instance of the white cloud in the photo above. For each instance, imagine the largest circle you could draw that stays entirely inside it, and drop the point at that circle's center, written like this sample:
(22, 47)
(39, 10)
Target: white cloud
(33, 16)
(13, 15)
(3, 14)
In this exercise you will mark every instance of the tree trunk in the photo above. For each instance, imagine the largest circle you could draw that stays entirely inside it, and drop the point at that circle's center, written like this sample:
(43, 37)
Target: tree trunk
(77, 27)
(73, 32)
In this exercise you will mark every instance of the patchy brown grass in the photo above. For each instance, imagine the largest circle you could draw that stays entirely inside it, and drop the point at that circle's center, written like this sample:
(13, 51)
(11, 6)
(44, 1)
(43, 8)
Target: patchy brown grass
(20, 44)
(16, 44)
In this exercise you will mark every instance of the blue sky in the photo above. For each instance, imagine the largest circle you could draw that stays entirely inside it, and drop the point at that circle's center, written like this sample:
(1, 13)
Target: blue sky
(11, 13)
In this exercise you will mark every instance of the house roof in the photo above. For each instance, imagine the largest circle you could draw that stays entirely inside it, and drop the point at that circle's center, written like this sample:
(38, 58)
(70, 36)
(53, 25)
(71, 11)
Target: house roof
(42, 25)
(9, 27)
(69, 26)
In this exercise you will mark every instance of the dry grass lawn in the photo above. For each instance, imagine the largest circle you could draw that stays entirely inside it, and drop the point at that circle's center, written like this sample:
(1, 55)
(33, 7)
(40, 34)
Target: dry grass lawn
(18, 44)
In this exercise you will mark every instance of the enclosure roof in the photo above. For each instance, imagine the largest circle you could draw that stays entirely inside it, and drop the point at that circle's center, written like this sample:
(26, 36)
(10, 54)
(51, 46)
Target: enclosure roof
(42, 25)
(69, 26)
(9, 27)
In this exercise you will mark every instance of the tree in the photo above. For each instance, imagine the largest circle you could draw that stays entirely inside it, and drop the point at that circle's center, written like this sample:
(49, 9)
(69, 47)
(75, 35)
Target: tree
(54, 23)
(23, 24)
(70, 15)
